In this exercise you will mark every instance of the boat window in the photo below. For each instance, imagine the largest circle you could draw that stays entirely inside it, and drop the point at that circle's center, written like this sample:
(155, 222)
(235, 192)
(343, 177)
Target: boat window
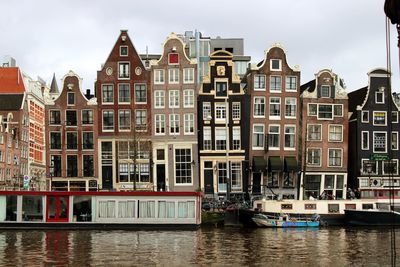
(166, 209)
(333, 208)
(82, 209)
(32, 208)
(107, 209)
(146, 209)
(11, 208)
(286, 206)
(350, 206)
(310, 206)
(367, 206)
(186, 209)
(126, 209)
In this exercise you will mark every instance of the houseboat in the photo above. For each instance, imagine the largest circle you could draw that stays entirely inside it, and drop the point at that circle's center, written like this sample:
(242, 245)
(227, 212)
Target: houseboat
(94, 210)
(332, 212)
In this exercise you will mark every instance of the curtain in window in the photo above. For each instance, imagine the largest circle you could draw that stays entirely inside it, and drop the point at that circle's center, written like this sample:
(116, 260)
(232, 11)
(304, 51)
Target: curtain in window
(191, 209)
(143, 209)
(130, 209)
(111, 209)
(182, 209)
(170, 209)
(162, 209)
(122, 209)
(151, 205)
(102, 209)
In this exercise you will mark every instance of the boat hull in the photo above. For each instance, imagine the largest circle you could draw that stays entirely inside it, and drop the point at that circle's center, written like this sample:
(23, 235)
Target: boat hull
(266, 222)
(372, 218)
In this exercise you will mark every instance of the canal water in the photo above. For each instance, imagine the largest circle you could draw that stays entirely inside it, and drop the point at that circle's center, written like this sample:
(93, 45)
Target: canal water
(206, 246)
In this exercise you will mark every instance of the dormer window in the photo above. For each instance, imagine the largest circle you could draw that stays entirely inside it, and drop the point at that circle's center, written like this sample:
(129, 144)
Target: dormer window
(173, 59)
(325, 91)
(276, 64)
(70, 99)
(123, 70)
(221, 89)
(379, 99)
(123, 50)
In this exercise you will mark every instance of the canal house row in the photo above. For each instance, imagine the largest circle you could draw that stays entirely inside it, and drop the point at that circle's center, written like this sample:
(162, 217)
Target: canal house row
(155, 128)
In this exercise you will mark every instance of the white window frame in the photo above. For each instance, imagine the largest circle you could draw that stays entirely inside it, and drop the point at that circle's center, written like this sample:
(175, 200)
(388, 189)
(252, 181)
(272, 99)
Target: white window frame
(220, 107)
(263, 136)
(255, 104)
(383, 97)
(139, 127)
(362, 167)
(308, 110)
(83, 164)
(270, 84)
(127, 51)
(119, 120)
(275, 117)
(325, 119)
(342, 108)
(61, 141)
(235, 110)
(221, 130)
(386, 141)
(102, 95)
(295, 107)
(134, 92)
(329, 132)
(320, 133)
(207, 110)
(341, 158)
(236, 134)
(92, 116)
(278, 134)
(68, 104)
(320, 157)
(159, 76)
(188, 98)
(174, 119)
(265, 82)
(173, 98)
(173, 73)
(188, 120)
(362, 140)
(102, 120)
(280, 64)
(208, 135)
(373, 118)
(328, 87)
(87, 149)
(159, 95)
(66, 141)
(159, 120)
(129, 90)
(189, 163)
(129, 70)
(284, 136)
(188, 73)
(391, 140)
(397, 167)
(286, 83)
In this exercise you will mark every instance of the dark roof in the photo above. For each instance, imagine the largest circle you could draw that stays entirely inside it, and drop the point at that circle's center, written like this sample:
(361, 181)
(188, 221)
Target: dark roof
(310, 87)
(356, 98)
(11, 101)
(260, 63)
(54, 86)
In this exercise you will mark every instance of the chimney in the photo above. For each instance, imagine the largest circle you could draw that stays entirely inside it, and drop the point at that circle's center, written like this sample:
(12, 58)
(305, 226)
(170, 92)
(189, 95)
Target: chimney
(9, 61)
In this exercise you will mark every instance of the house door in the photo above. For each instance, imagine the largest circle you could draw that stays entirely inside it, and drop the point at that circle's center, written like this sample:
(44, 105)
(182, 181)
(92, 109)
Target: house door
(256, 188)
(57, 208)
(106, 172)
(160, 177)
(208, 182)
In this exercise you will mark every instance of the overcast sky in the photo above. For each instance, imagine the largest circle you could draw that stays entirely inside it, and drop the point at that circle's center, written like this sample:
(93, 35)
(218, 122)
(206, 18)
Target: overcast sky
(57, 36)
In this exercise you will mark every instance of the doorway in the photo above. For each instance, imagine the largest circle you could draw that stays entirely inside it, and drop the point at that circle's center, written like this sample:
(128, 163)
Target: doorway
(256, 188)
(57, 208)
(160, 168)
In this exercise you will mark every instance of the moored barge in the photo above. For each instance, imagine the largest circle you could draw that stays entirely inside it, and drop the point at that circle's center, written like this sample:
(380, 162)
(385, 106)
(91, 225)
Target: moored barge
(99, 210)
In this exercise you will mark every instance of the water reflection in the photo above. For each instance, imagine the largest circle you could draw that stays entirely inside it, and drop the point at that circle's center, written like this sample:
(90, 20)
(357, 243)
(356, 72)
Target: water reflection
(228, 246)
